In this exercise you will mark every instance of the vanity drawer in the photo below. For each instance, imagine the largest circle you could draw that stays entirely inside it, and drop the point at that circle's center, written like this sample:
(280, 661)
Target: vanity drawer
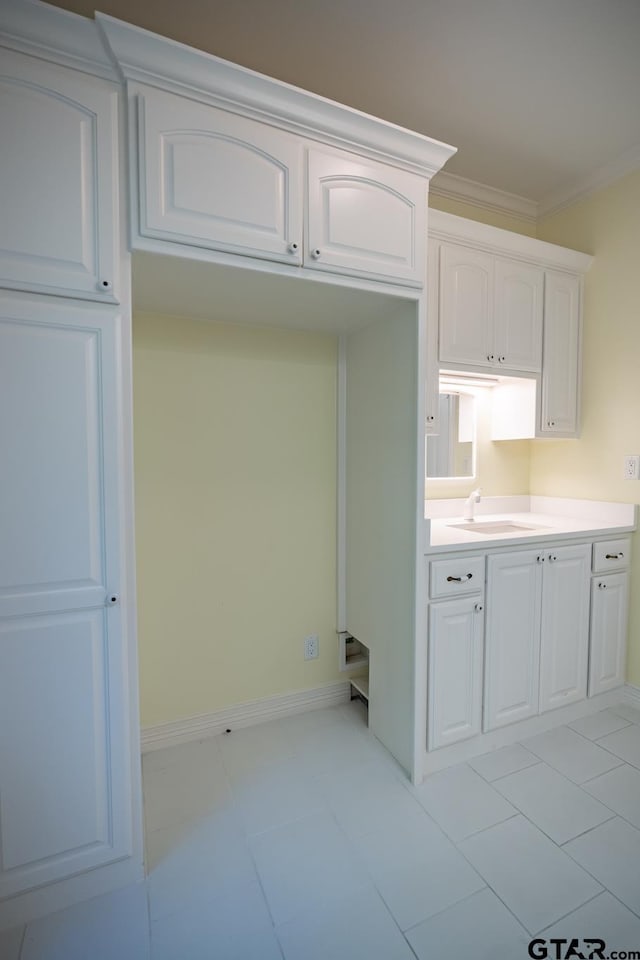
(611, 555)
(451, 577)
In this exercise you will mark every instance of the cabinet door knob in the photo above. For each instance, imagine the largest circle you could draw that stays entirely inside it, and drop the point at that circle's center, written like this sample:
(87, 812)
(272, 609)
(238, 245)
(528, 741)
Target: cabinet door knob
(430, 418)
(602, 586)
(551, 423)
(540, 559)
(111, 600)
(614, 556)
(552, 557)
(491, 357)
(467, 576)
(292, 247)
(105, 286)
(479, 607)
(501, 359)
(315, 254)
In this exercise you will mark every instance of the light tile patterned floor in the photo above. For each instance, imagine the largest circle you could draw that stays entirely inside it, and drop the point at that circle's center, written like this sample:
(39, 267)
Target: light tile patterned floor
(301, 839)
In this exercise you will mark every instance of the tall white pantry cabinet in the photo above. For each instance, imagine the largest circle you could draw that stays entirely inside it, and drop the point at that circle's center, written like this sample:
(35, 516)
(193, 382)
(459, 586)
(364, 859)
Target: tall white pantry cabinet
(208, 169)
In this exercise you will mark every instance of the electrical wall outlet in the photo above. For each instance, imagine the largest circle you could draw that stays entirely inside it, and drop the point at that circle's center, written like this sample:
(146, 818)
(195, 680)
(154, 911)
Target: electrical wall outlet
(311, 646)
(631, 469)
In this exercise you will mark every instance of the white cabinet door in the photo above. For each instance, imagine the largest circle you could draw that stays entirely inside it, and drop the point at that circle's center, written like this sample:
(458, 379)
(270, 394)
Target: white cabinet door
(564, 647)
(456, 629)
(518, 305)
(58, 163)
(365, 218)
(432, 404)
(214, 179)
(608, 638)
(514, 584)
(65, 765)
(466, 306)
(561, 356)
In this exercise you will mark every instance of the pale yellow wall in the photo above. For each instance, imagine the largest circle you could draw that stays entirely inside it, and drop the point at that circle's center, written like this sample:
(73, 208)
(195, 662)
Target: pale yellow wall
(502, 467)
(493, 217)
(235, 464)
(607, 225)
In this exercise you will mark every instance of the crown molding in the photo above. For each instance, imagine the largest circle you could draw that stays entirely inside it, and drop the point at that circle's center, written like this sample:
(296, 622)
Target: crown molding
(148, 58)
(48, 32)
(453, 187)
(627, 162)
(495, 240)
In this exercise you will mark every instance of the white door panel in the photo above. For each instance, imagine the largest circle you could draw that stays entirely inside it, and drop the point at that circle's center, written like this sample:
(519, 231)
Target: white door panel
(564, 647)
(456, 630)
(365, 218)
(58, 156)
(65, 791)
(218, 180)
(608, 635)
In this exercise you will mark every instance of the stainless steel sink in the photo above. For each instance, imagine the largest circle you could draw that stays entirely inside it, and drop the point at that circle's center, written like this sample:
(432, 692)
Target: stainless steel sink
(492, 526)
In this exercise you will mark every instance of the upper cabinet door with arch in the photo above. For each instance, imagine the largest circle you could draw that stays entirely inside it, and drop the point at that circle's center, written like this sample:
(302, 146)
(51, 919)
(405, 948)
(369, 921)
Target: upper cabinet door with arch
(365, 218)
(58, 192)
(218, 180)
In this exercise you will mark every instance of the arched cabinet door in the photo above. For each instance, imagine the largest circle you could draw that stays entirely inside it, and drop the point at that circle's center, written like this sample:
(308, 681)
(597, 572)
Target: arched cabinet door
(365, 218)
(58, 156)
(217, 180)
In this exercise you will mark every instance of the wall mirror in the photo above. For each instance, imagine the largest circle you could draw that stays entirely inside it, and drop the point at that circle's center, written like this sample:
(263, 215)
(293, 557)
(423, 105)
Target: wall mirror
(453, 452)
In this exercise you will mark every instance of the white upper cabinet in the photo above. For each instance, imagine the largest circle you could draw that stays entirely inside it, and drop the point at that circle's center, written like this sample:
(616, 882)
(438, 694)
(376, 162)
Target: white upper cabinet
(560, 386)
(214, 179)
(490, 311)
(365, 218)
(518, 304)
(58, 156)
(466, 305)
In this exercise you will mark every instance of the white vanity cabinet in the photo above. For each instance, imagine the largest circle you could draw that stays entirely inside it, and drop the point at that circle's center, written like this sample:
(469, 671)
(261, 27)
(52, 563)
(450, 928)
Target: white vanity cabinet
(564, 642)
(216, 179)
(490, 311)
(537, 631)
(609, 613)
(514, 590)
(456, 650)
(58, 189)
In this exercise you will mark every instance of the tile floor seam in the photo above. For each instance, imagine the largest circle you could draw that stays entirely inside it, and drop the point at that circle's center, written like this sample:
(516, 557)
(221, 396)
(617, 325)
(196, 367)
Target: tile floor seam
(22, 940)
(490, 826)
(536, 763)
(600, 893)
(605, 772)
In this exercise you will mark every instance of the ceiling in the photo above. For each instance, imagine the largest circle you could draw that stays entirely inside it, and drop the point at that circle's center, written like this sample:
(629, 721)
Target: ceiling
(541, 97)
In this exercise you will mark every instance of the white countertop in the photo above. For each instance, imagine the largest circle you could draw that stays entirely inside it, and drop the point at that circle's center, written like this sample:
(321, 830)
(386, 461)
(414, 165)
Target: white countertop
(549, 517)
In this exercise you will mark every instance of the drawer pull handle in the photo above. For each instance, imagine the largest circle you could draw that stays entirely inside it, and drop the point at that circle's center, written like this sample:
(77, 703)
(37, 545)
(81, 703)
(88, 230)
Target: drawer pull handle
(459, 579)
(614, 556)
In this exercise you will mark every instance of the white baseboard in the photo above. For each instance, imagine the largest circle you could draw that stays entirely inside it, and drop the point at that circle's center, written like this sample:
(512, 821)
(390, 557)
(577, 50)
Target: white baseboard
(631, 694)
(243, 715)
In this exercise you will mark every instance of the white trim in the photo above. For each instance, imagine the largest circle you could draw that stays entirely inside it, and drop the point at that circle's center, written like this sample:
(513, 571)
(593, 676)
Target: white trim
(631, 695)
(243, 715)
(51, 33)
(152, 59)
(453, 187)
(341, 493)
(598, 179)
(515, 246)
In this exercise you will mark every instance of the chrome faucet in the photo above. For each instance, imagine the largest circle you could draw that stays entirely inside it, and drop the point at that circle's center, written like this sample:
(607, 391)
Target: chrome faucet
(474, 497)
